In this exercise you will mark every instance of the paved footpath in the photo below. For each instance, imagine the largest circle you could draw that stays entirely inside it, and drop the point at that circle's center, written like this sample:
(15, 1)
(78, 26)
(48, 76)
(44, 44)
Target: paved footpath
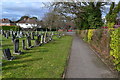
(84, 63)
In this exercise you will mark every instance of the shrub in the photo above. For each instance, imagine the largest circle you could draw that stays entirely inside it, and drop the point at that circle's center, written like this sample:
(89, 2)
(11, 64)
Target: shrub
(90, 34)
(14, 28)
(110, 25)
(114, 45)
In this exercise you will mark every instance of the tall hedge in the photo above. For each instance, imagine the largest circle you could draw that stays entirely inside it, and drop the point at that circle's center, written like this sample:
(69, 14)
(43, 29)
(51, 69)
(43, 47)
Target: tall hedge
(14, 28)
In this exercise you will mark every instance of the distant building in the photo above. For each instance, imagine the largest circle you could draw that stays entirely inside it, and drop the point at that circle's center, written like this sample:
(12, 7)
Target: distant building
(28, 23)
(118, 19)
(6, 22)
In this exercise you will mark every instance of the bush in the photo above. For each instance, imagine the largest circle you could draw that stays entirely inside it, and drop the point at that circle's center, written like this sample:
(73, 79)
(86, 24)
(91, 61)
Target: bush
(114, 45)
(110, 25)
(90, 34)
(14, 28)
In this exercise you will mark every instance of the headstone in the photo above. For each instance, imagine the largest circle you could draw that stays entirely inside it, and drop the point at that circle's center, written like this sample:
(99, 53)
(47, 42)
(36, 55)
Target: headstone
(59, 35)
(42, 38)
(7, 54)
(7, 35)
(23, 45)
(16, 47)
(21, 34)
(45, 38)
(50, 37)
(13, 37)
(32, 37)
(38, 37)
(37, 42)
(29, 41)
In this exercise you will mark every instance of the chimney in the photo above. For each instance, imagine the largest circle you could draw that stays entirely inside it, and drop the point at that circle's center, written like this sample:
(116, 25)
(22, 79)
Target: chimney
(3, 19)
(28, 19)
(25, 19)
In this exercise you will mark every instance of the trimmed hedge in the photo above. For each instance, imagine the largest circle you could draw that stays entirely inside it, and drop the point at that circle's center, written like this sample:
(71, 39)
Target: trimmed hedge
(14, 28)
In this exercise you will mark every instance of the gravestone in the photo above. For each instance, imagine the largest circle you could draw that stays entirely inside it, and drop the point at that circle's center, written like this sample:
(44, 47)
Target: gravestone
(38, 37)
(16, 47)
(42, 38)
(33, 34)
(45, 37)
(23, 45)
(13, 37)
(59, 35)
(50, 37)
(6, 35)
(7, 54)
(21, 34)
(37, 42)
(29, 41)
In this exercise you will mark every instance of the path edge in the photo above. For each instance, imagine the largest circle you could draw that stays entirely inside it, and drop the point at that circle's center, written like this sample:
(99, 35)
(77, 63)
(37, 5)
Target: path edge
(67, 60)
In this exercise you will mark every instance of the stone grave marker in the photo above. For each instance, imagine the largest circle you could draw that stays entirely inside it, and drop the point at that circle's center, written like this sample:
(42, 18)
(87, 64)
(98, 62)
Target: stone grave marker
(37, 42)
(45, 37)
(7, 54)
(42, 38)
(29, 42)
(16, 47)
(23, 45)
(13, 37)
(33, 34)
(7, 35)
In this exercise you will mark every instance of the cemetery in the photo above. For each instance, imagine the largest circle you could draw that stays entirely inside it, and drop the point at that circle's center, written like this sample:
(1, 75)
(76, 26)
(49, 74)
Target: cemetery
(60, 40)
(34, 54)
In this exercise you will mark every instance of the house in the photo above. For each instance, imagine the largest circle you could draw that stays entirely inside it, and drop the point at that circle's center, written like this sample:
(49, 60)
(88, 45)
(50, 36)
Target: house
(6, 22)
(117, 21)
(28, 23)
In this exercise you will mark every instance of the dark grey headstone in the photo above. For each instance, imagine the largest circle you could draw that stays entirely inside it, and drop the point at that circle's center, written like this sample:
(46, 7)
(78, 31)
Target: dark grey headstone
(23, 45)
(29, 41)
(16, 47)
(7, 54)
(37, 42)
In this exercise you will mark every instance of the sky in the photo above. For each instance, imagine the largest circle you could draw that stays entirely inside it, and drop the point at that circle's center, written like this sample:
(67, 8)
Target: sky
(14, 9)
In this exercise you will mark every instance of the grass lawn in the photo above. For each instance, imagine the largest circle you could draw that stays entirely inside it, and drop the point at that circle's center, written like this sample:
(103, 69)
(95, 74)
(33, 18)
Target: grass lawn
(46, 61)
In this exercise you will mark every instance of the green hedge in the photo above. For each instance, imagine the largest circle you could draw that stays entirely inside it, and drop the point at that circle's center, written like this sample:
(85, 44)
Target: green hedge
(114, 45)
(14, 28)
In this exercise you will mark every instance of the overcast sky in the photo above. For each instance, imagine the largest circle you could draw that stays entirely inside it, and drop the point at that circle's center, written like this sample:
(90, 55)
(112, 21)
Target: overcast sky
(14, 9)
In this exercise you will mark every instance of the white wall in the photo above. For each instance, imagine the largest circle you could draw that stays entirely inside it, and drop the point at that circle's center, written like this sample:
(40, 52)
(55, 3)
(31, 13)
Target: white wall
(26, 25)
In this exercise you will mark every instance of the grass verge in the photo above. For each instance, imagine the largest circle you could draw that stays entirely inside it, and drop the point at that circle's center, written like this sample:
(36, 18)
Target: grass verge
(46, 61)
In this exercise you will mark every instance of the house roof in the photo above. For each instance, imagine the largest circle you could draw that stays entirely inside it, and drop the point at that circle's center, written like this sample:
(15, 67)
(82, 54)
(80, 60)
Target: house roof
(5, 20)
(29, 20)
